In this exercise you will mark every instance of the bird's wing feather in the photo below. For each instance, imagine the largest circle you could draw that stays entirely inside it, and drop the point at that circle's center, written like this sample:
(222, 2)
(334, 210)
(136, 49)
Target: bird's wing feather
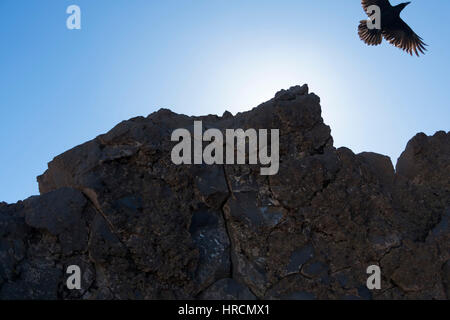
(402, 36)
(372, 37)
(381, 3)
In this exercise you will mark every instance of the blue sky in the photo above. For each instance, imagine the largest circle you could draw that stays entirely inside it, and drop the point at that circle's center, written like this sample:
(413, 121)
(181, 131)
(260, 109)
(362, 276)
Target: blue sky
(60, 87)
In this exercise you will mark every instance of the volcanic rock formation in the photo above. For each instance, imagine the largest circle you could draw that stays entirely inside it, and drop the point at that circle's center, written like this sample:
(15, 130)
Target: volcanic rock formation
(140, 227)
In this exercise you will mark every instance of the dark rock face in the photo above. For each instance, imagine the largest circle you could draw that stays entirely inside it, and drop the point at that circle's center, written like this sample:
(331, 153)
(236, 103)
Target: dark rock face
(140, 227)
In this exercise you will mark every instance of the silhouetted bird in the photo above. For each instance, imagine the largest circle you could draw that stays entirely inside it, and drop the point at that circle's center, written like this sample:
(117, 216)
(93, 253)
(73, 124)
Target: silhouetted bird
(393, 28)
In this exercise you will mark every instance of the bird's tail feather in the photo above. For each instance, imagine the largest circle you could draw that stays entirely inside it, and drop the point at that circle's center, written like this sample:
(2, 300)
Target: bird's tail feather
(372, 37)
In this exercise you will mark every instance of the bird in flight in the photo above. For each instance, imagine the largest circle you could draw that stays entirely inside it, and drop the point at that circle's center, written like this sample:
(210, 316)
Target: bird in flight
(392, 28)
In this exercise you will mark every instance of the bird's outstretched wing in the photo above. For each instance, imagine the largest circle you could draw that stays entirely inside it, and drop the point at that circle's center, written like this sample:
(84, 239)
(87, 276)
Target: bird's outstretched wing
(381, 3)
(402, 36)
(372, 37)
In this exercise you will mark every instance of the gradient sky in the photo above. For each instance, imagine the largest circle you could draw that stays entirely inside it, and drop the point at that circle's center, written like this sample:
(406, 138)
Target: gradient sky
(60, 88)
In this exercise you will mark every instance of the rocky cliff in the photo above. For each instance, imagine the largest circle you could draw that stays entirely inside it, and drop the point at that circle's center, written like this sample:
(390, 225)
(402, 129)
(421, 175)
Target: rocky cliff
(140, 227)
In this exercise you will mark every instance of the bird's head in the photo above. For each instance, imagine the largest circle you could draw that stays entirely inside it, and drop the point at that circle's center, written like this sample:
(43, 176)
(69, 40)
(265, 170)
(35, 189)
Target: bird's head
(402, 6)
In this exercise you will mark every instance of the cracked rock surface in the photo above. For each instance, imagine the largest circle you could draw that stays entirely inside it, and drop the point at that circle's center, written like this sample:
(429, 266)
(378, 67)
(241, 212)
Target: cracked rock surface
(140, 227)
